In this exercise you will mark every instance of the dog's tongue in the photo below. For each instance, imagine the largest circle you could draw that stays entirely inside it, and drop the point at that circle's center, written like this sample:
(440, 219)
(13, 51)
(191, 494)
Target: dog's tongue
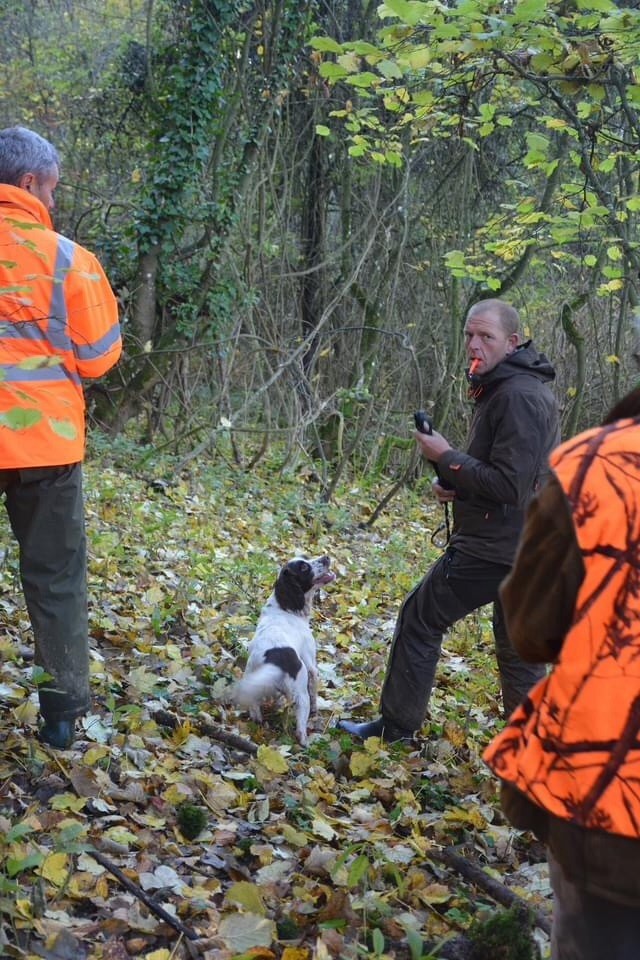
(326, 577)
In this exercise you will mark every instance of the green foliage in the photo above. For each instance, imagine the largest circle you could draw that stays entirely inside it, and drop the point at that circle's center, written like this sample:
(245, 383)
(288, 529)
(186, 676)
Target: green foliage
(470, 72)
(187, 111)
(504, 936)
(211, 62)
(191, 820)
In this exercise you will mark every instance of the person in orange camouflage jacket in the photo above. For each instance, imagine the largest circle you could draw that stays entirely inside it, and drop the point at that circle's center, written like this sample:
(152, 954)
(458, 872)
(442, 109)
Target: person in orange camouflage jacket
(58, 325)
(569, 757)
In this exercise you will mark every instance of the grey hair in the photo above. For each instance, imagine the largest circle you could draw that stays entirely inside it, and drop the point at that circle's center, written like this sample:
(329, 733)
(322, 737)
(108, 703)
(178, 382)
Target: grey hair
(24, 151)
(507, 315)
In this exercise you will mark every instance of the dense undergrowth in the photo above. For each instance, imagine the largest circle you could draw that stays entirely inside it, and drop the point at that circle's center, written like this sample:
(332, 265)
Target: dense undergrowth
(158, 835)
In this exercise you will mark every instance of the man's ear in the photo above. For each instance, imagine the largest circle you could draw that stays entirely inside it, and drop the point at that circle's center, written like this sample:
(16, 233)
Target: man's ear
(26, 181)
(512, 343)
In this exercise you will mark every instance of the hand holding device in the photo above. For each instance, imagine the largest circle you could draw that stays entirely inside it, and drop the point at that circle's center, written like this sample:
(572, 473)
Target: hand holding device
(424, 424)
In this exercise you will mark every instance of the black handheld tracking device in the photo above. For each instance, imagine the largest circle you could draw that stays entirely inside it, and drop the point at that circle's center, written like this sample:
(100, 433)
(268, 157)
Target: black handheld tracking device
(424, 424)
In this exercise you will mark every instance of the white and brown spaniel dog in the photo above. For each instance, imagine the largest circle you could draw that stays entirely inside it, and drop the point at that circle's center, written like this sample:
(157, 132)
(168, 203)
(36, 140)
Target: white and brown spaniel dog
(282, 653)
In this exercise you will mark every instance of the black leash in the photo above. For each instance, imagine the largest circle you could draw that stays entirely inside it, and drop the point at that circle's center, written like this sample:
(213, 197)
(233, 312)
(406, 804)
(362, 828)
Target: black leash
(424, 424)
(436, 539)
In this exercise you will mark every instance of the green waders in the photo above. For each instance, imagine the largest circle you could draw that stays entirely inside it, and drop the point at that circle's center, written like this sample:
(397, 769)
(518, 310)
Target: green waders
(46, 512)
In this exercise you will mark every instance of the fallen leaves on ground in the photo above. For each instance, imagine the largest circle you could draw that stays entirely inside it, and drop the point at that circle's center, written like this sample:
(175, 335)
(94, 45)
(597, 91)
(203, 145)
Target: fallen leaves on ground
(328, 851)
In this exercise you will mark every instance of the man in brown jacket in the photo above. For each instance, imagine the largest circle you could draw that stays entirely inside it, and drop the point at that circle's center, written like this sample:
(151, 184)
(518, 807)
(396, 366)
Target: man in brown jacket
(514, 426)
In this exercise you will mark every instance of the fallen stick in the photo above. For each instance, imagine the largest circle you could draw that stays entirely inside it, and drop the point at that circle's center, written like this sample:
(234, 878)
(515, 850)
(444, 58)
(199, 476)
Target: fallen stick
(210, 729)
(217, 732)
(475, 874)
(138, 892)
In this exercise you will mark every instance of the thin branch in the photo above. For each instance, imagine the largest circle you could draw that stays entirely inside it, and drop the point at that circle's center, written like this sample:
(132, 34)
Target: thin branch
(210, 729)
(138, 892)
(497, 891)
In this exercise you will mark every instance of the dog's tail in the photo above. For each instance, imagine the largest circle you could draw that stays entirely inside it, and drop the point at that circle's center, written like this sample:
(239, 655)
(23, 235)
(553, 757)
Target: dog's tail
(257, 685)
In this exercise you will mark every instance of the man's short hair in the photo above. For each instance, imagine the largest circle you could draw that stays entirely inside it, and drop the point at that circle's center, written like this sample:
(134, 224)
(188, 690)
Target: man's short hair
(507, 315)
(24, 151)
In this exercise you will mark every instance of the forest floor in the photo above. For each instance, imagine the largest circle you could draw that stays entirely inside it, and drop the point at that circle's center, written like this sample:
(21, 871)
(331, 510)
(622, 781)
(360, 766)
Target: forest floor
(337, 850)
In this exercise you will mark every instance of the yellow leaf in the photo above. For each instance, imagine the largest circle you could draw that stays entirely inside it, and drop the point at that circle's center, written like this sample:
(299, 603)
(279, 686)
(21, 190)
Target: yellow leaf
(94, 754)
(272, 759)
(610, 287)
(472, 816)
(295, 837)
(247, 895)
(161, 954)
(121, 835)
(55, 869)
(361, 764)
(455, 734)
(26, 713)
(143, 680)
(23, 908)
(81, 885)
(176, 794)
(182, 733)
(435, 893)
(102, 888)
(67, 801)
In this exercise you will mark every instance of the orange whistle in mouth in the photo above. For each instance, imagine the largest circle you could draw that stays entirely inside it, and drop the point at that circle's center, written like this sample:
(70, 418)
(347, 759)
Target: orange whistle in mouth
(475, 363)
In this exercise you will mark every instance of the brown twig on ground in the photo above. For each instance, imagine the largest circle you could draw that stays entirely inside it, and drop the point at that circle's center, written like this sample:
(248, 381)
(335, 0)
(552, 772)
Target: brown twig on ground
(210, 729)
(138, 892)
(475, 874)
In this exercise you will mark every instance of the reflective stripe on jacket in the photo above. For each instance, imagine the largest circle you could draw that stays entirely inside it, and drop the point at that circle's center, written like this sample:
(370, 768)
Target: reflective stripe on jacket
(58, 325)
(573, 746)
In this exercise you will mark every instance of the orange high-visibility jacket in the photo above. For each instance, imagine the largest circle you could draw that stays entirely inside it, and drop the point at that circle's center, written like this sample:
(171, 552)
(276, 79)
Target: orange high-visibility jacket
(573, 745)
(58, 324)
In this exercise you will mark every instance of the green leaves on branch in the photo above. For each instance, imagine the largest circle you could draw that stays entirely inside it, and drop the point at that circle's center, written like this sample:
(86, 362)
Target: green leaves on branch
(551, 89)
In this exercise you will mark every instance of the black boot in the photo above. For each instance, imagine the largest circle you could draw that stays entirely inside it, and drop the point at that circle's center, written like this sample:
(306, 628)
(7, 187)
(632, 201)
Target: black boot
(57, 733)
(390, 732)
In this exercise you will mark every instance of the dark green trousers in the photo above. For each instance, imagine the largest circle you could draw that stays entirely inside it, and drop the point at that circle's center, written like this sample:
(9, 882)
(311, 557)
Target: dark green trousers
(454, 586)
(46, 512)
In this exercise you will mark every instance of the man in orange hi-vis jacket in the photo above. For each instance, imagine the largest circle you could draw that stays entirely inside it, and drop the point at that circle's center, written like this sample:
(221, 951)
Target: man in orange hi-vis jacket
(58, 325)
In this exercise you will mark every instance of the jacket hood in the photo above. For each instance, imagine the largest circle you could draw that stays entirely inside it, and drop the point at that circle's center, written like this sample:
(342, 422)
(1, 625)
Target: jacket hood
(524, 359)
(19, 199)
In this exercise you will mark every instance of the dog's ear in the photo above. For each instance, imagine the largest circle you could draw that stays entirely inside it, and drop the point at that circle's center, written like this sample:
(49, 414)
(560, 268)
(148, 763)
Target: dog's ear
(289, 591)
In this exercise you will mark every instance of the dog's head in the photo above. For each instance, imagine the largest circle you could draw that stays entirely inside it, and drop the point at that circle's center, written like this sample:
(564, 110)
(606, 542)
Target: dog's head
(299, 580)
